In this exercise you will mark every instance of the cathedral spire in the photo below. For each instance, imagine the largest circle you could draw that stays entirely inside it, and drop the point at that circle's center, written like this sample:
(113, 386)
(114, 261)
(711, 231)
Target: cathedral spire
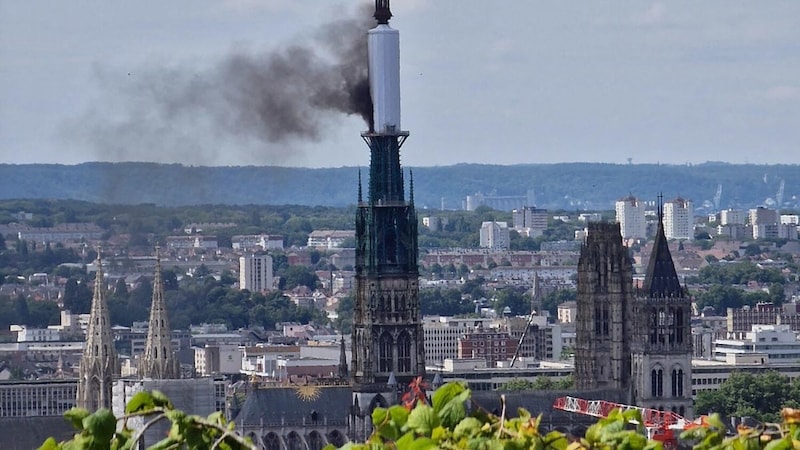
(661, 279)
(158, 361)
(99, 361)
(343, 370)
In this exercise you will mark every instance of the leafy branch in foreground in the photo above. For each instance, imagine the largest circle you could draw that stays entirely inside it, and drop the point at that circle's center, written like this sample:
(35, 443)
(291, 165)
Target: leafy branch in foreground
(98, 431)
(417, 425)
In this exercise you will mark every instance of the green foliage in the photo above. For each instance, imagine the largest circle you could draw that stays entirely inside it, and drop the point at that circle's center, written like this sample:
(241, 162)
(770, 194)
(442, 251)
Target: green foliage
(416, 425)
(295, 276)
(759, 396)
(99, 430)
(538, 384)
(444, 302)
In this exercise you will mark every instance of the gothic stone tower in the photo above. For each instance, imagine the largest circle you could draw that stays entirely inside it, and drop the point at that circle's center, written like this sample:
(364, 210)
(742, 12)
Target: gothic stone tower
(605, 311)
(387, 324)
(158, 361)
(662, 346)
(99, 363)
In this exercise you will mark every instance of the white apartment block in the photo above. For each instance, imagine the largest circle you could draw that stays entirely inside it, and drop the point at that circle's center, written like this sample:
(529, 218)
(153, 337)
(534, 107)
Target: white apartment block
(530, 221)
(217, 360)
(26, 334)
(435, 223)
(776, 343)
(329, 239)
(790, 219)
(567, 312)
(255, 241)
(255, 273)
(442, 335)
(631, 217)
(495, 235)
(732, 217)
(679, 219)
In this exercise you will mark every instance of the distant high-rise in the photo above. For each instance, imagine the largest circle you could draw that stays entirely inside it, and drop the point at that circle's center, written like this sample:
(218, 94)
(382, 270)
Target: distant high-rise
(530, 220)
(255, 273)
(99, 363)
(678, 218)
(159, 361)
(495, 235)
(631, 217)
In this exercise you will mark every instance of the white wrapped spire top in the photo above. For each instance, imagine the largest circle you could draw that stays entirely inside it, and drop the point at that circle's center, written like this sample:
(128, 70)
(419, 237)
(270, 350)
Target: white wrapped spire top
(384, 78)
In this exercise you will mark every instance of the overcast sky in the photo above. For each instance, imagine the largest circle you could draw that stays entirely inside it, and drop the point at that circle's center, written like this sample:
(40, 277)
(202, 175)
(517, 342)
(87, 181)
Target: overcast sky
(482, 82)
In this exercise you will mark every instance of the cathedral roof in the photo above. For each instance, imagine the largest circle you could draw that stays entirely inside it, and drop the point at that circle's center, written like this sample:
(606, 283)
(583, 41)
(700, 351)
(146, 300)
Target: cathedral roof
(661, 279)
(293, 404)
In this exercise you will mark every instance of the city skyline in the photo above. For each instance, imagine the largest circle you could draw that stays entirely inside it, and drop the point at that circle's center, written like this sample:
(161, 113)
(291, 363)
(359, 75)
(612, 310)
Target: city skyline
(484, 83)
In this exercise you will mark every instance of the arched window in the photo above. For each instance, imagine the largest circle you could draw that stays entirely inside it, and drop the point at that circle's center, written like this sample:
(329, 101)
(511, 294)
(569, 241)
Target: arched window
(336, 438)
(315, 441)
(653, 383)
(272, 442)
(657, 382)
(679, 325)
(385, 353)
(674, 383)
(404, 353)
(680, 383)
(294, 442)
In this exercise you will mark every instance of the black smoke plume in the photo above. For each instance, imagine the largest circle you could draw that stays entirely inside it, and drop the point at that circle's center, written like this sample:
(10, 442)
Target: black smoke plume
(291, 93)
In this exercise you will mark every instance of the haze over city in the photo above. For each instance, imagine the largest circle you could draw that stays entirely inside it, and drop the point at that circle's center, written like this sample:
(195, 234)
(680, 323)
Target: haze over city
(482, 82)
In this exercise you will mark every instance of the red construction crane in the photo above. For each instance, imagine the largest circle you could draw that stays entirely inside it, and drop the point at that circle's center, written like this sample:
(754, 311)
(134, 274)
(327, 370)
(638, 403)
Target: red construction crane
(660, 425)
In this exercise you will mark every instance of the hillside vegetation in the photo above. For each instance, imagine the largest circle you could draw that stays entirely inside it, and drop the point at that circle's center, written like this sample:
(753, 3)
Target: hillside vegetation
(555, 186)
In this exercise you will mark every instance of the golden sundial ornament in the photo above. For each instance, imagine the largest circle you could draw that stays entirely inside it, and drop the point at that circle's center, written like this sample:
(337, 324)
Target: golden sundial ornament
(308, 393)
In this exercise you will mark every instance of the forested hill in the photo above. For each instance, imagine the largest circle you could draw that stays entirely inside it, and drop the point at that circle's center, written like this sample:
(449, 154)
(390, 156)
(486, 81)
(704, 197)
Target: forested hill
(556, 186)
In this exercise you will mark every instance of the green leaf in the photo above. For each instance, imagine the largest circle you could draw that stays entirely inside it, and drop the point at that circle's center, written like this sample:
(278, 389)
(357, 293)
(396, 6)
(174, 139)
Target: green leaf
(468, 427)
(446, 393)
(159, 399)
(422, 420)
(780, 444)
(76, 415)
(142, 401)
(399, 415)
(409, 442)
(101, 424)
(556, 440)
(453, 411)
(49, 444)
(379, 415)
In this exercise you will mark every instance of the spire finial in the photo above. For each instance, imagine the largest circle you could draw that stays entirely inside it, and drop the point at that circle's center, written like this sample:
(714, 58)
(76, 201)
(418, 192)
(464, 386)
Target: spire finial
(411, 185)
(382, 12)
(359, 186)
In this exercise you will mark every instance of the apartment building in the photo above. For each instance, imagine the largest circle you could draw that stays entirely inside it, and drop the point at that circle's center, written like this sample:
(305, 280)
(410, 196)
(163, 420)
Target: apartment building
(631, 217)
(679, 219)
(255, 273)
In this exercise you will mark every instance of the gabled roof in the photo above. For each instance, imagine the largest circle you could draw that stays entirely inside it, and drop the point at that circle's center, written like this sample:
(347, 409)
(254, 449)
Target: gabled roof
(292, 404)
(661, 279)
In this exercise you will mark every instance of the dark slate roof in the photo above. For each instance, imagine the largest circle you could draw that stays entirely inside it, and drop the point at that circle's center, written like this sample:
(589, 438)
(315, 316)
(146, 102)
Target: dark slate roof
(272, 406)
(541, 402)
(31, 432)
(661, 279)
